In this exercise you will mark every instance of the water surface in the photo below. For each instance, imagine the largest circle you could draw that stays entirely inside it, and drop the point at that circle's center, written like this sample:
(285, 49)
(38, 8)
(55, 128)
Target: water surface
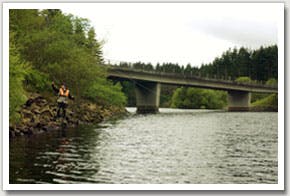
(174, 146)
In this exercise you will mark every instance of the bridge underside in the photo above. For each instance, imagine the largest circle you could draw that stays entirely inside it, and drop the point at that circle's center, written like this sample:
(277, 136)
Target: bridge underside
(148, 95)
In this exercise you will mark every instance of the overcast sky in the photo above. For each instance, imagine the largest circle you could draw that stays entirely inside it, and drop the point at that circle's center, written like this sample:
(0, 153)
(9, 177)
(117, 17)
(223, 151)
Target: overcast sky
(179, 33)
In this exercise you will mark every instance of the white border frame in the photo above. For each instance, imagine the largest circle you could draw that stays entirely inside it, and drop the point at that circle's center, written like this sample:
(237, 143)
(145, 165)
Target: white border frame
(7, 186)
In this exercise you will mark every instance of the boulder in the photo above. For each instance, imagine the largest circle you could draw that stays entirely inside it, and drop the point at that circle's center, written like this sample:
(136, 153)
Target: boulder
(11, 134)
(45, 118)
(69, 113)
(47, 111)
(17, 132)
(92, 107)
(12, 128)
(28, 131)
(86, 118)
(28, 102)
(27, 113)
(42, 102)
(26, 120)
(32, 99)
(36, 111)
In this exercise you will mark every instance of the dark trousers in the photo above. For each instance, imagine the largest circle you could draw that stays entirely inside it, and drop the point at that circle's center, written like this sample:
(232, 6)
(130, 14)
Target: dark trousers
(62, 106)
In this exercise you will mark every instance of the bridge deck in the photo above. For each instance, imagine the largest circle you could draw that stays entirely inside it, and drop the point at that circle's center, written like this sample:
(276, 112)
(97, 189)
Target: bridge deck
(188, 80)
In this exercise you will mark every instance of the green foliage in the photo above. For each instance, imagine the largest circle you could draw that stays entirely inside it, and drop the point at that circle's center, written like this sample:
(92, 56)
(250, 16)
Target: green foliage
(17, 94)
(259, 65)
(272, 82)
(166, 95)
(259, 96)
(128, 89)
(243, 79)
(104, 92)
(195, 98)
(36, 80)
(267, 103)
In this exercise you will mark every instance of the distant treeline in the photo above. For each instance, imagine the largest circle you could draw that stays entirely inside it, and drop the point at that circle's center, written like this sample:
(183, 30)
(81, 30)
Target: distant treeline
(260, 65)
(234, 64)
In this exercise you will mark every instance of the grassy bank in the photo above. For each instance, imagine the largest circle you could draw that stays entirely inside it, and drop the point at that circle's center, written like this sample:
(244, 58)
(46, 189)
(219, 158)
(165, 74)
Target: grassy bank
(269, 103)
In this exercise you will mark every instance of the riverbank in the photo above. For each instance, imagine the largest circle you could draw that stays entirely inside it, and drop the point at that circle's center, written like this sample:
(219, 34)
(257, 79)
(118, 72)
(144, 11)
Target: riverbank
(266, 104)
(39, 111)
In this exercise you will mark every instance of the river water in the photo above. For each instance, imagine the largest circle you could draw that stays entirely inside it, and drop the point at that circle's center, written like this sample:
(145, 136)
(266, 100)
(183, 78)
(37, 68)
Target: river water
(174, 146)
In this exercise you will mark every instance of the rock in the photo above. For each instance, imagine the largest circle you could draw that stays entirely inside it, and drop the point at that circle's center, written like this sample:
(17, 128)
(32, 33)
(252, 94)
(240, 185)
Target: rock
(79, 122)
(27, 114)
(36, 119)
(36, 111)
(47, 111)
(45, 118)
(52, 126)
(22, 127)
(26, 120)
(39, 125)
(12, 128)
(17, 132)
(29, 102)
(86, 118)
(69, 113)
(41, 131)
(49, 128)
(92, 107)
(34, 106)
(11, 134)
(27, 131)
(42, 102)
(32, 99)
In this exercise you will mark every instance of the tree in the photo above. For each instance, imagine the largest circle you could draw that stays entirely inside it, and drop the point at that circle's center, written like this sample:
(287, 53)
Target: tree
(196, 98)
(94, 46)
(17, 72)
(243, 79)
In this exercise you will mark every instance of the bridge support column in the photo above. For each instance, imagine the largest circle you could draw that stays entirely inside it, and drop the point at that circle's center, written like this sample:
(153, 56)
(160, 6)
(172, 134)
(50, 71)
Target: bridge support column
(239, 100)
(147, 97)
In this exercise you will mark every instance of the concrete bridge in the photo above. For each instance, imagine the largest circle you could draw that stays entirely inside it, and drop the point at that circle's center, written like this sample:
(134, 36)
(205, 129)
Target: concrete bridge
(148, 85)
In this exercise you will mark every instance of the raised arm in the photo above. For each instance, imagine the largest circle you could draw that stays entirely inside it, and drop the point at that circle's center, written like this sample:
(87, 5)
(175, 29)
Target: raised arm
(55, 89)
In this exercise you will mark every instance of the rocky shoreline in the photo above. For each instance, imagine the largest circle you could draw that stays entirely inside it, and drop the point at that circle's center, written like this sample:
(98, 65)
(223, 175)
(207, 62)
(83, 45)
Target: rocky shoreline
(264, 109)
(38, 115)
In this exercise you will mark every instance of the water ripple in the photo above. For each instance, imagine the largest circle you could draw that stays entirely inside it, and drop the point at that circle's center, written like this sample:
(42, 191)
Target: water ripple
(175, 146)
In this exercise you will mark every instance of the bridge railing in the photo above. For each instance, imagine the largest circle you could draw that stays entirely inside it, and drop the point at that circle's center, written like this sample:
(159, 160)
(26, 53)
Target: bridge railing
(193, 76)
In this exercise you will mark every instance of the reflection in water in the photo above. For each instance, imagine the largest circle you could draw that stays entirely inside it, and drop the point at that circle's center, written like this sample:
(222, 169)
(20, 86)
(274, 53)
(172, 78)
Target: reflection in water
(175, 146)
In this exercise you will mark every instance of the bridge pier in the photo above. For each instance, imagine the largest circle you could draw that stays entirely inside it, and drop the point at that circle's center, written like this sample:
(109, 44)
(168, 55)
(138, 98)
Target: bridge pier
(147, 97)
(239, 100)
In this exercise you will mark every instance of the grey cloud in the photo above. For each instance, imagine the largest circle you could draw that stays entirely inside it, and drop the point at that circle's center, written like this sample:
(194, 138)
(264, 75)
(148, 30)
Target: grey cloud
(241, 32)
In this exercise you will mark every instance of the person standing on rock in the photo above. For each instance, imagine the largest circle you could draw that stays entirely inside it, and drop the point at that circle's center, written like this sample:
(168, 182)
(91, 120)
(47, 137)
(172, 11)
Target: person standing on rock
(63, 96)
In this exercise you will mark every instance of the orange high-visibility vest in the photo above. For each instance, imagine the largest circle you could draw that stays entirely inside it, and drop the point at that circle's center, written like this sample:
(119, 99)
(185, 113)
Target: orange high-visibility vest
(62, 93)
